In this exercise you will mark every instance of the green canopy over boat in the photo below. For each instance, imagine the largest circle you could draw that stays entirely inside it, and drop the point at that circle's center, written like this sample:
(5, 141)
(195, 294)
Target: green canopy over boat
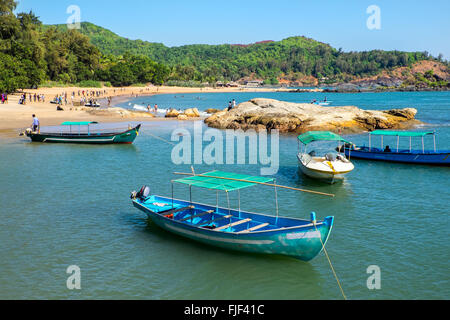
(312, 136)
(401, 133)
(83, 123)
(209, 181)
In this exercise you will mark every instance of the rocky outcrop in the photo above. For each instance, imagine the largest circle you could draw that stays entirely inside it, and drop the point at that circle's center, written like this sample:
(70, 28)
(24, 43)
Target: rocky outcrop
(185, 115)
(192, 113)
(172, 113)
(212, 110)
(301, 117)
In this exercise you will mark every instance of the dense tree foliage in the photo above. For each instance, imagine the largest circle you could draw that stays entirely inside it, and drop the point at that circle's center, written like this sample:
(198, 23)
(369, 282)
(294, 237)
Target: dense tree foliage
(31, 53)
(292, 58)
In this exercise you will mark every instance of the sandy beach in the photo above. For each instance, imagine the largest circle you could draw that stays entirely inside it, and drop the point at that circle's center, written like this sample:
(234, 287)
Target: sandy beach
(15, 117)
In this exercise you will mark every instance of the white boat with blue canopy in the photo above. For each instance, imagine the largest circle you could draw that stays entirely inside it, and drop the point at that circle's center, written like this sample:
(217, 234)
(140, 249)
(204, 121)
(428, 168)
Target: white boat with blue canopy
(330, 167)
(233, 228)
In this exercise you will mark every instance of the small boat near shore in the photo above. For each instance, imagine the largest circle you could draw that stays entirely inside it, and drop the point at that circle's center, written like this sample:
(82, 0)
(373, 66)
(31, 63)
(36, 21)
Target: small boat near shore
(330, 167)
(232, 228)
(424, 156)
(86, 137)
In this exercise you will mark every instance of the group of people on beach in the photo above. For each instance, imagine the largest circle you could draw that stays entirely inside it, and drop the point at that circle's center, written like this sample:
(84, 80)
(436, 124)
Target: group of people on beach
(31, 98)
(4, 98)
(84, 97)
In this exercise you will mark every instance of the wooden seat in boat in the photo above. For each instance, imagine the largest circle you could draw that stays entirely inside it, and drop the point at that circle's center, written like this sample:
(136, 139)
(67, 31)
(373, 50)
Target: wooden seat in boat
(233, 224)
(173, 211)
(215, 220)
(254, 228)
(197, 215)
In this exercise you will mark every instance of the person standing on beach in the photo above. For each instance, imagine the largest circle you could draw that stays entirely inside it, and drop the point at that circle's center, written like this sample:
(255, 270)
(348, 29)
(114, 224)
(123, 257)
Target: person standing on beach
(36, 125)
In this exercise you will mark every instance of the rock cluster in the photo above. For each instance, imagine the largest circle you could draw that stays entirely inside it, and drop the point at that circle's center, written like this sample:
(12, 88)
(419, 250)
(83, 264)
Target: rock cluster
(185, 115)
(262, 114)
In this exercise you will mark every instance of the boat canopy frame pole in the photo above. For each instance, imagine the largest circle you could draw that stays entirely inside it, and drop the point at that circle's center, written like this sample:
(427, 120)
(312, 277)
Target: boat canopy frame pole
(217, 201)
(398, 143)
(423, 145)
(172, 195)
(276, 197)
(370, 142)
(434, 140)
(229, 207)
(239, 202)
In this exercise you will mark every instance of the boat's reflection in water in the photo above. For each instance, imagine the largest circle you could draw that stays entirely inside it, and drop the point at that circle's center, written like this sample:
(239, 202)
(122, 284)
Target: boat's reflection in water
(223, 270)
(341, 188)
(294, 177)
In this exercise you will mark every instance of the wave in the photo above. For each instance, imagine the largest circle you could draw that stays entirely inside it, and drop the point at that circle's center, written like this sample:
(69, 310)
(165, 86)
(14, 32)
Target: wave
(163, 111)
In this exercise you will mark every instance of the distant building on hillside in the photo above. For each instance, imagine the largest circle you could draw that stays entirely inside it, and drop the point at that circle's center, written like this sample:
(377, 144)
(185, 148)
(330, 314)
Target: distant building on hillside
(254, 83)
(231, 84)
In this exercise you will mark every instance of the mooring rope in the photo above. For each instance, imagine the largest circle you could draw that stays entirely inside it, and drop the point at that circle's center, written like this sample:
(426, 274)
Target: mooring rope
(162, 139)
(329, 261)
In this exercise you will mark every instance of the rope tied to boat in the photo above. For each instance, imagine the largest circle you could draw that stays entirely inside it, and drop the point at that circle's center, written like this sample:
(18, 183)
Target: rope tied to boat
(162, 139)
(329, 261)
(331, 166)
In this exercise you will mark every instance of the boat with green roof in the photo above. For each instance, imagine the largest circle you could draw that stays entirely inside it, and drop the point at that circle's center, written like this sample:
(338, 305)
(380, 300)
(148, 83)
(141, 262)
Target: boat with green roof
(397, 154)
(84, 133)
(234, 229)
(329, 167)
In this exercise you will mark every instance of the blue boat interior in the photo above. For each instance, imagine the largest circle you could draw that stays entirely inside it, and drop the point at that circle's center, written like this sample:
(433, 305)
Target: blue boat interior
(219, 219)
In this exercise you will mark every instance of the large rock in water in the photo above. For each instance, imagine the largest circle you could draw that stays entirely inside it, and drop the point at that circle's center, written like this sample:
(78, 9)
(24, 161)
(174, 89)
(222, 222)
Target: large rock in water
(192, 113)
(302, 117)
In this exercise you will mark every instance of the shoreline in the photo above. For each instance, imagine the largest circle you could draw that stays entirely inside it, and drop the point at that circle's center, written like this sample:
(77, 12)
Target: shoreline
(15, 117)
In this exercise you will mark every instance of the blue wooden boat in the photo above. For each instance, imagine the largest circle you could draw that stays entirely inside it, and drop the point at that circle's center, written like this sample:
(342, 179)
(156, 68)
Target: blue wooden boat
(85, 137)
(424, 156)
(232, 228)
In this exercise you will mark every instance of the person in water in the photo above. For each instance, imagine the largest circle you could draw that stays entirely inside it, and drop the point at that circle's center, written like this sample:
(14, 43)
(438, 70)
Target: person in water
(36, 125)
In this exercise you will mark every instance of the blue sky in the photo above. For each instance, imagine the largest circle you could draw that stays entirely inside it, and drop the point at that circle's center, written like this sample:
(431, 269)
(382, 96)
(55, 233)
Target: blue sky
(405, 25)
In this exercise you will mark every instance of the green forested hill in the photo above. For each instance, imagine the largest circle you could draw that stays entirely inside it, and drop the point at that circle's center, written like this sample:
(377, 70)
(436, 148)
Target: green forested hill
(32, 53)
(293, 58)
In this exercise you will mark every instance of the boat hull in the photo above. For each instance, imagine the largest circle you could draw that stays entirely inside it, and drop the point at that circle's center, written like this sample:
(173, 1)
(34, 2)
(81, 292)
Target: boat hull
(331, 176)
(303, 242)
(126, 137)
(439, 158)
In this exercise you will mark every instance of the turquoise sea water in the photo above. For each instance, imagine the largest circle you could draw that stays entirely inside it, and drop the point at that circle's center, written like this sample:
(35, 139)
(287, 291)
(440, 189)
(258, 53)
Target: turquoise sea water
(63, 205)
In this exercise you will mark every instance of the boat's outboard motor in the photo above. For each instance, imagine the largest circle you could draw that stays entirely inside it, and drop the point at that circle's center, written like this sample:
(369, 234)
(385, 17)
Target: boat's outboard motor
(142, 195)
